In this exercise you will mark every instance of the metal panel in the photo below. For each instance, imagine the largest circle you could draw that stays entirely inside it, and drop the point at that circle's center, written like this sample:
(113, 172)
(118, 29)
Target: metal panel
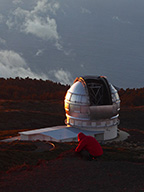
(78, 88)
(102, 112)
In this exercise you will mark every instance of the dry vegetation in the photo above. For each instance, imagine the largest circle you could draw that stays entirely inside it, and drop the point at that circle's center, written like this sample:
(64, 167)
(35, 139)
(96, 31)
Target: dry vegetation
(34, 112)
(23, 155)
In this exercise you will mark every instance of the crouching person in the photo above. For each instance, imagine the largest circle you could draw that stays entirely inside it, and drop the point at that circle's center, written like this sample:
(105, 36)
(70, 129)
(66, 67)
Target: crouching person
(88, 147)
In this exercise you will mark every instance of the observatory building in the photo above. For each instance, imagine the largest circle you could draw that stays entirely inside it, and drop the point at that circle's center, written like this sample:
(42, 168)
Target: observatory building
(92, 104)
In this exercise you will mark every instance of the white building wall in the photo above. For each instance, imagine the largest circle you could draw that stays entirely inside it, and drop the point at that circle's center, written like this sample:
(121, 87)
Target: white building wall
(110, 132)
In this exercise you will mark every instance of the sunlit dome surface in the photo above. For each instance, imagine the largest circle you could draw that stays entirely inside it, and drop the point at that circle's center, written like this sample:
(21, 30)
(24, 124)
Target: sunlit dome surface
(77, 94)
(78, 88)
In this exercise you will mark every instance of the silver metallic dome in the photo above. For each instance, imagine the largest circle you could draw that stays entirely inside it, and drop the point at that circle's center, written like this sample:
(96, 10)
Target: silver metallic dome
(92, 103)
(77, 94)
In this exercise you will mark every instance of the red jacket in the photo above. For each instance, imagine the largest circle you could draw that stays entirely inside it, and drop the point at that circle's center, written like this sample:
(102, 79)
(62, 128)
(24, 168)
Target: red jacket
(89, 144)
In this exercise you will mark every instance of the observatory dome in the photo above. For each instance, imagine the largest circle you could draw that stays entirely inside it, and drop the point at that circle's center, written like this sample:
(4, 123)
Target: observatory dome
(92, 103)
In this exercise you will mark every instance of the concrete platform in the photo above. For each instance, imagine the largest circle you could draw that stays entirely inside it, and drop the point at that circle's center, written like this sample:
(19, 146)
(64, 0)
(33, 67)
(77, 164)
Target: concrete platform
(58, 134)
(63, 134)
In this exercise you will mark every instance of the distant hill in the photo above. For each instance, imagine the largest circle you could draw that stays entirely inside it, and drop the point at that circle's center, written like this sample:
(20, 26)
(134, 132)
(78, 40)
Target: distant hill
(132, 97)
(31, 89)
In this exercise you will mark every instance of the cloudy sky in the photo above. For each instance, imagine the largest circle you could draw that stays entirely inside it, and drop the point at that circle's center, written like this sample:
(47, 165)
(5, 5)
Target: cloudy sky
(60, 40)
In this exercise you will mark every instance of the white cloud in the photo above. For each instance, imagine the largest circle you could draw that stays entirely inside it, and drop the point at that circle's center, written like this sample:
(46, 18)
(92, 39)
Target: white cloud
(117, 19)
(62, 76)
(44, 6)
(13, 65)
(39, 52)
(85, 11)
(17, 1)
(59, 46)
(2, 41)
(37, 21)
(45, 29)
(69, 52)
